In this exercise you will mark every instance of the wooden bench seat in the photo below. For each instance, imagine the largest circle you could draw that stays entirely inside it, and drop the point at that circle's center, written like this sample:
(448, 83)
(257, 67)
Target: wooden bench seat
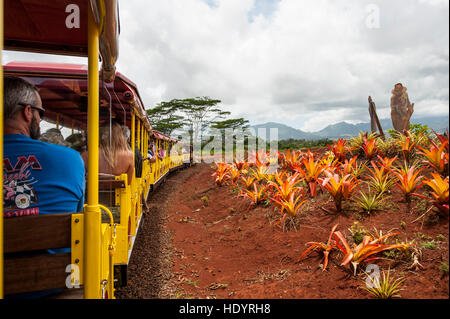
(28, 267)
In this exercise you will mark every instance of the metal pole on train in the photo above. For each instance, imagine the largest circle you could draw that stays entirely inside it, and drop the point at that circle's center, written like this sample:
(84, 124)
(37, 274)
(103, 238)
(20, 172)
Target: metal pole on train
(133, 133)
(1, 149)
(142, 138)
(138, 134)
(92, 219)
(133, 179)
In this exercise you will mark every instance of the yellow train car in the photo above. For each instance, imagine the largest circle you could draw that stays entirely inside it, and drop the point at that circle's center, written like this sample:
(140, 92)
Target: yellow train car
(168, 157)
(78, 28)
(102, 236)
(63, 88)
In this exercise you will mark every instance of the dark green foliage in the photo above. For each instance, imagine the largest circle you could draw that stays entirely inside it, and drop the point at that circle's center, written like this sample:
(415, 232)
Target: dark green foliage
(292, 144)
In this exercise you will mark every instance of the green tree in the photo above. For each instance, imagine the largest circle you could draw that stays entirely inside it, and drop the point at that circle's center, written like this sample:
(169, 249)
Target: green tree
(201, 118)
(166, 117)
(239, 123)
(201, 113)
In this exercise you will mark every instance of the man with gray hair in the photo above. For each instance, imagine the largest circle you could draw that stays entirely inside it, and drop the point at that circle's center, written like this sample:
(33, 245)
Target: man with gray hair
(39, 177)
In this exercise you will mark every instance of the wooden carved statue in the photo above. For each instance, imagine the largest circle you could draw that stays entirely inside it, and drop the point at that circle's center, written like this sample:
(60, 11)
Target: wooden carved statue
(401, 108)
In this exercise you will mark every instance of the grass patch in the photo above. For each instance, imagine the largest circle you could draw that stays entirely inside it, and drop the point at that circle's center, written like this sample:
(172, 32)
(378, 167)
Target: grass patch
(429, 245)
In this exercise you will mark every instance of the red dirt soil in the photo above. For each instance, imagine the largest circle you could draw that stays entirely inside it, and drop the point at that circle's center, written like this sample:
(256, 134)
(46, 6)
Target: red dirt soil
(213, 248)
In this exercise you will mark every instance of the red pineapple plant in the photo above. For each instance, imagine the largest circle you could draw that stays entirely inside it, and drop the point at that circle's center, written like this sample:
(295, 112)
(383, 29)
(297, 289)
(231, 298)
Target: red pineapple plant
(380, 174)
(340, 149)
(240, 165)
(221, 173)
(370, 148)
(247, 181)
(290, 158)
(340, 187)
(257, 194)
(233, 175)
(310, 170)
(437, 157)
(386, 162)
(284, 185)
(407, 146)
(260, 172)
(259, 159)
(366, 251)
(325, 248)
(290, 206)
(407, 180)
(287, 195)
(440, 193)
(442, 139)
(348, 166)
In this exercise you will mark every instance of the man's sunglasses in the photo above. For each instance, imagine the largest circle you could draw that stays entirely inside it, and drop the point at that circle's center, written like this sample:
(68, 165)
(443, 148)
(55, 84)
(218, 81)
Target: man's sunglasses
(39, 109)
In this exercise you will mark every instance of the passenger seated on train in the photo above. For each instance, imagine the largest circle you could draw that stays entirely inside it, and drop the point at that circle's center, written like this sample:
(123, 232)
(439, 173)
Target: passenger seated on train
(161, 153)
(138, 160)
(115, 156)
(54, 136)
(151, 157)
(77, 141)
(39, 177)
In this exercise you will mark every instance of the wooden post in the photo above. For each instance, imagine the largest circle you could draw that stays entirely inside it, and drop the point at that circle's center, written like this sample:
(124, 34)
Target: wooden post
(374, 118)
(373, 124)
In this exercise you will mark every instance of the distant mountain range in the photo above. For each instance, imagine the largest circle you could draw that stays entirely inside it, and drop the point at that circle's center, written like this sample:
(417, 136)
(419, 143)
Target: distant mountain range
(344, 129)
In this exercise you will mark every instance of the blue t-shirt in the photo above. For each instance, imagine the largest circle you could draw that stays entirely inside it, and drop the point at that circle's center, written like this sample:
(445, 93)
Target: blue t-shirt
(41, 178)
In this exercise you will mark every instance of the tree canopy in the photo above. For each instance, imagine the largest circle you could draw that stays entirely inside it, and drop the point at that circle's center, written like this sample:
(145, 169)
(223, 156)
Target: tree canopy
(192, 114)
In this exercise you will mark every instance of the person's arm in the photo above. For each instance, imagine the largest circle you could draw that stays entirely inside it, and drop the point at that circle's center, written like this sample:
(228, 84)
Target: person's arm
(161, 154)
(82, 181)
(151, 157)
(81, 201)
(84, 156)
(152, 154)
(130, 169)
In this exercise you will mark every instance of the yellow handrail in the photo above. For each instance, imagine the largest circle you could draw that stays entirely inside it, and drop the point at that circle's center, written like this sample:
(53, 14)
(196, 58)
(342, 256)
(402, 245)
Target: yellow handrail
(106, 209)
(112, 245)
(92, 219)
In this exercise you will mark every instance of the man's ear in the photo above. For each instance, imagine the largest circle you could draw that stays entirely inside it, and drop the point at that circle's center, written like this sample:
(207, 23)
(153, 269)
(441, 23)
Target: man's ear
(27, 114)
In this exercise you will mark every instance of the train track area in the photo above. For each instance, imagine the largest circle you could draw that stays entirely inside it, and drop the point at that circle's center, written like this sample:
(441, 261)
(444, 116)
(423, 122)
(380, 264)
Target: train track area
(150, 272)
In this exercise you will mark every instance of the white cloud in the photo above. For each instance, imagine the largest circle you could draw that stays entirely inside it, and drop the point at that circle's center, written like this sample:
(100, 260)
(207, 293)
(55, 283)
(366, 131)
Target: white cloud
(304, 63)
(308, 62)
(435, 2)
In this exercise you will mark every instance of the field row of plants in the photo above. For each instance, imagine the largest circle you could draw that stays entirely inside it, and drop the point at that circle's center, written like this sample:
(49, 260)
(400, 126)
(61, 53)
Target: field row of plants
(360, 172)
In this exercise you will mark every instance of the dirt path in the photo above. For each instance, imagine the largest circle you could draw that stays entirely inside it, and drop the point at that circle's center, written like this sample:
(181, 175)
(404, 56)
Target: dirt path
(201, 242)
(150, 270)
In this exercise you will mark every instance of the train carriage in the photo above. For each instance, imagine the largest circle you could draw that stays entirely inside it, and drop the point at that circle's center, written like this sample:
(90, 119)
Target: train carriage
(82, 98)
(78, 28)
(169, 157)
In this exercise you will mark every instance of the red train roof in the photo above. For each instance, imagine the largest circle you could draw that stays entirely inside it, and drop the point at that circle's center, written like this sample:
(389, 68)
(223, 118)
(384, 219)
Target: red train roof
(63, 89)
(160, 136)
(40, 25)
(61, 27)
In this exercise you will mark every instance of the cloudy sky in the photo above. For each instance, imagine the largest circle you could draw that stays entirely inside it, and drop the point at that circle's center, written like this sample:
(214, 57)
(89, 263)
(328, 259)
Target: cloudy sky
(305, 63)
